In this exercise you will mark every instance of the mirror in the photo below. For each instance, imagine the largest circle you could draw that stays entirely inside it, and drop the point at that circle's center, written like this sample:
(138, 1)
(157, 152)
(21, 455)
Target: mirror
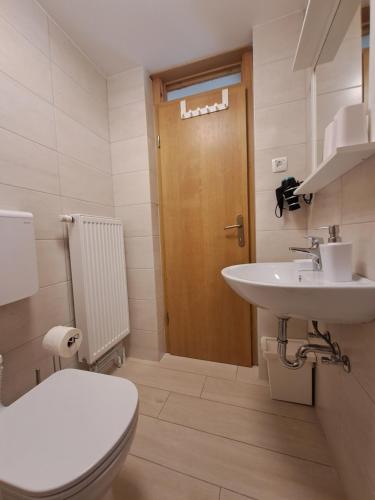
(341, 82)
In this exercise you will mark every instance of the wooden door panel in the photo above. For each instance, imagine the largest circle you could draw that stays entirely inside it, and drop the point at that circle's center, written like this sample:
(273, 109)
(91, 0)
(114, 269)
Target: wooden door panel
(203, 188)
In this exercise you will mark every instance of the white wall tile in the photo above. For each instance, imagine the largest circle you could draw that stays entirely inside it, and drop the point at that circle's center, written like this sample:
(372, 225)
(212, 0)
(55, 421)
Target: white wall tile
(141, 284)
(27, 319)
(23, 112)
(23, 62)
(51, 262)
(265, 214)
(45, 207)
(280, 125)
(73, 206)
(71, 60)
(139, 253)
(79, 103)
(136, 219)
(144, 345)
(276, 83)
(131, 188)
(25, 163)
(77, 180)
(273, 246)
(344, 71)
(130, 155)
(143, 315)
(277, 39)
(126, 87)
(29, 19)
(77, 141)
(128, 121)
(266, 179)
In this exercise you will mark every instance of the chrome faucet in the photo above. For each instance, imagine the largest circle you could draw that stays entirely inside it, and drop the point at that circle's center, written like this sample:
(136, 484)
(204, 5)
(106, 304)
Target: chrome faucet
(313, 251)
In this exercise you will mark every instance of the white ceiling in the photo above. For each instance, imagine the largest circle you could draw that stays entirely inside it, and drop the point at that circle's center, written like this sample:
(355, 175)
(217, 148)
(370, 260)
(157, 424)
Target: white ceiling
(159, 34)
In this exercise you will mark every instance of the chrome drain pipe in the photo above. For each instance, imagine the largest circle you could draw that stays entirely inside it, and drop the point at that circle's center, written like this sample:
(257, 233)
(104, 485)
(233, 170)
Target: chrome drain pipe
(331, 351)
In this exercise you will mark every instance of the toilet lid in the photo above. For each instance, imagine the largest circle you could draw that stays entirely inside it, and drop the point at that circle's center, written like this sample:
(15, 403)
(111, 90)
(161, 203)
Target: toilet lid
(63, 429)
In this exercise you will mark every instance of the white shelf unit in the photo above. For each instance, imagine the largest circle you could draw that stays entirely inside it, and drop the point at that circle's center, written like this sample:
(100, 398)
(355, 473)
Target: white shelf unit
(344, 159)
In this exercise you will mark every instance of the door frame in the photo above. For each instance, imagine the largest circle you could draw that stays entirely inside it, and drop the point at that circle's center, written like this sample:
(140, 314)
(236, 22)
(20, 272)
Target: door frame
(201, 70)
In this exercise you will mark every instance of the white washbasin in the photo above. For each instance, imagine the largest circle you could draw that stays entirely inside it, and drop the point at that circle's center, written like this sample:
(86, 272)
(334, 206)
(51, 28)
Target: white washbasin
(287, 292)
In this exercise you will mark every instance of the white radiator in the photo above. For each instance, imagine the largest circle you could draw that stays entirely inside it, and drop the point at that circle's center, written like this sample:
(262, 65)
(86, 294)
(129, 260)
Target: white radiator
(99, 283)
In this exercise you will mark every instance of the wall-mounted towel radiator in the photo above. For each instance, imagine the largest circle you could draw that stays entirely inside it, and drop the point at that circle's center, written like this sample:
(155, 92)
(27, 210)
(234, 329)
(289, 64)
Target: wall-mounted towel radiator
(99, 283)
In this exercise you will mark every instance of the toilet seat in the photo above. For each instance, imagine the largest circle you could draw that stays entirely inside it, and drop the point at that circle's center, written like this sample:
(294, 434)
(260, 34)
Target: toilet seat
(47, 446)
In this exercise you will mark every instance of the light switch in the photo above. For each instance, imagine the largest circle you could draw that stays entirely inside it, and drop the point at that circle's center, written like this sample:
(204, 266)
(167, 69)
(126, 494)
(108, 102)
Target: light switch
(280, 164)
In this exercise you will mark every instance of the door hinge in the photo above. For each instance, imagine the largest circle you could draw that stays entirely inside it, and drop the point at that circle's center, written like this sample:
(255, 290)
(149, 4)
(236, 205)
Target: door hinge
(158, 141)
(167, 319)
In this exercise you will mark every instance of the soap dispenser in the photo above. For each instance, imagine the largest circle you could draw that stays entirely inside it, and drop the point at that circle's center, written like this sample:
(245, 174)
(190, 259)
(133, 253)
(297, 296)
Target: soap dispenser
(336, 257)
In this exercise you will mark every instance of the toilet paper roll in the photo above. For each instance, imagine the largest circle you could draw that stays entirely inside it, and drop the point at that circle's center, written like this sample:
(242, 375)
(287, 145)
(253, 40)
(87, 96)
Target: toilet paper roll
(63, 341)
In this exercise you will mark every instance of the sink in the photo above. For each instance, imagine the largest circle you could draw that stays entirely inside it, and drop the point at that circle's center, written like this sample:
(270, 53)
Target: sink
(290, 293)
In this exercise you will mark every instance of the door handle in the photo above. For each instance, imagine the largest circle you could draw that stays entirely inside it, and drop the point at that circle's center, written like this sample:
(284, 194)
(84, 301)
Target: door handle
(240, 233)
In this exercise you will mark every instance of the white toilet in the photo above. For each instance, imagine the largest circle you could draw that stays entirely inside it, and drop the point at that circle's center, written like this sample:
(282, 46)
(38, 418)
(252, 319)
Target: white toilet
(67, 438)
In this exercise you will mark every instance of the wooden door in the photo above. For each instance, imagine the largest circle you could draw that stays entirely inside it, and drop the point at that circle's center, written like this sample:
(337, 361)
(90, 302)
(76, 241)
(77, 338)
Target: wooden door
(204, 187)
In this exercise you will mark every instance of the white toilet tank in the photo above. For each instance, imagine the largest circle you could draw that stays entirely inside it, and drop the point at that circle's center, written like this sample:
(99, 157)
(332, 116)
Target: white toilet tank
(18, 263)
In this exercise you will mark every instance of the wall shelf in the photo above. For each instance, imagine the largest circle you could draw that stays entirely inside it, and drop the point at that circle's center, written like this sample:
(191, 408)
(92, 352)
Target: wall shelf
(338, 164)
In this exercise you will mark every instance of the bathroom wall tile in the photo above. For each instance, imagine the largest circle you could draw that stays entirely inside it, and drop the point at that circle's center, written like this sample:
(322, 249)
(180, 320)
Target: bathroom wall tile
(266, 218)
(270, 46)
(280, 125)
(140, 479)
(77, 180)
(253, 397)
(266, 179)
(51, 262)
(131, 188)
(77, 141)
(338, 410)
(128, 121)
(139, 253)
(268, 325)
(130, 155)
(276, 83)
(126, 87)
(141, 284)
(358, 342)
(27, 164)
(329, 104)
(143, 315)
(29, 19)
(79, 103)
(23, 62)
(273, 246)
(19, 371)
(155, 219)
(143, 345)
(199, 366)
(345, 71)
(250, 471)
(71, 60)
(358, 195)
(326, 207)
(136, 219)
(299, 439)
(45, 207)
(23, 112)
(363, 238)
(27, 319)
(72, 206)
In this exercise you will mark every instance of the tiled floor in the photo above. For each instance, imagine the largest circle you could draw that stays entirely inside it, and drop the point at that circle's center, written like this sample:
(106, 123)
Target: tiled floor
(209, 431)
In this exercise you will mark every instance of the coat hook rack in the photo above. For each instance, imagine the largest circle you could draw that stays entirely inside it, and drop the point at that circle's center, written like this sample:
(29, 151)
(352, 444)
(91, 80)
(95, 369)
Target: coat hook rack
(191, 113)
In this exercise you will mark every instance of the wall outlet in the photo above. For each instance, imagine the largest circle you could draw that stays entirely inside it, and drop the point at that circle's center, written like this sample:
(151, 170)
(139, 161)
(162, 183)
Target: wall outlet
(280, 164)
